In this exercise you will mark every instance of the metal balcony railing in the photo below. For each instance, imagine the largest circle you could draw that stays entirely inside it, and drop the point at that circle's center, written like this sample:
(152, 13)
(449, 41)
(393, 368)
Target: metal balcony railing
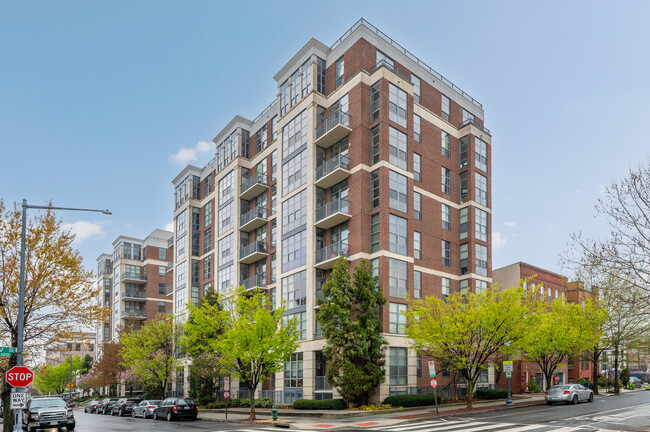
(334, 163)
(473, 122)
(258, 212)
(249, 182)
(133, 294)
(259, 280)
(251, 248)
(325, 124)
(134, 313)
(134, 276)
(332, 251)
(332, 207)
(392, 68)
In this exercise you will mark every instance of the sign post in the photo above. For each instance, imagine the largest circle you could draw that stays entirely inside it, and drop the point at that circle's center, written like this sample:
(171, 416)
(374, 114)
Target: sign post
(434, 383)
(507, 368)
(226, 392)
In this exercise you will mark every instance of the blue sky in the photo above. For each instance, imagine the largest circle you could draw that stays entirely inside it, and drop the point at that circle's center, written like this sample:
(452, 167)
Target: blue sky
(96, 99)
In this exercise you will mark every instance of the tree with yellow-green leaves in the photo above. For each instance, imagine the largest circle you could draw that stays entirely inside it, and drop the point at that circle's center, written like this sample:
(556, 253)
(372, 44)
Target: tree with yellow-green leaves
(467, 331)
(53, 379)
(60, 296)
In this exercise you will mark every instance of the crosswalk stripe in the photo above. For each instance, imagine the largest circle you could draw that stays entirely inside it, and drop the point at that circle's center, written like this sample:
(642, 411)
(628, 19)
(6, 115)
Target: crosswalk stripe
(524, 428)
(461, 425)
(410, 426)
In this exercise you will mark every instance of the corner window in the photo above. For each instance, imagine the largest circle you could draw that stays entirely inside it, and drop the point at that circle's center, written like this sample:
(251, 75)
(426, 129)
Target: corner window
(417, 161)
(398, 234)
(481, 224)
(374, 145)
(416, 88)
(445, 108)
(446, 254)
(446, 217)
(374, 102)
(480, 151)
(397, 279)
(397, 105)
(397, 319)
(480, 183)
(417, 129)
(374, 233)
(397, 195)
(397, 148)
(340, 72)
(374, 188)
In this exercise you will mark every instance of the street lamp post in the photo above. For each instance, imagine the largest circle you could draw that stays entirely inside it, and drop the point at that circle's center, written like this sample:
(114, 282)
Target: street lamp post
(18, 419)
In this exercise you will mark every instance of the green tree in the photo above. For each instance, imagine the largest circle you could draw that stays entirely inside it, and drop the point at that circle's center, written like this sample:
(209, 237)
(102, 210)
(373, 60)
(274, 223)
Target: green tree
(53, 379)
(254, 341)
(148, 353)
(87, 364)
(349, 315)
(466, 332)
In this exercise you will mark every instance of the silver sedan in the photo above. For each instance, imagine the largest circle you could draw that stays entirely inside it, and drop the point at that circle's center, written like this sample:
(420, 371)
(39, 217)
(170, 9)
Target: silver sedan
(145, 408)
(569, 393)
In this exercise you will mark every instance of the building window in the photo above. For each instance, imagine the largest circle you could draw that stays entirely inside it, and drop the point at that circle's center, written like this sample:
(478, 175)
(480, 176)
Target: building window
(162, 307)
(464, 187)
(464, 258)
(294, 251)
(397, 105)
(162, 271)
(162, 289)
(293, 135)
(397, 197)
(417, 284)
(374, 263)
(207, 240)
(417, 173)
(226, 190)
(397, 148)
(467, 116)
(445, 108)
(463, 151)
(374, 185)
(481, 224)
(374, 102)
(446, 145)
(301, 321)
(446, 288)
(374, 233)
(340, 71)
(417, 245)
(274, 128)
(480, 151)
(261, 139)
(480, 183)
(446, 253)
(224, 279)
(417, 128)
(417, 206)
(321, 80)
(208, 185)
(225, 251)
(397, 319)
(397, 279)
(398, 234)
(464, 287)
(383, 59)
(207, 214)
(207, 268)
(294, 290)
(294, 212)
(416, 88)
(445, 216)
(398, 370)
(294, 173)
(293, 371)
(374, 145)
(481, 260)
(445, 180)
(284, 97)
(481, 286)
(463, 220)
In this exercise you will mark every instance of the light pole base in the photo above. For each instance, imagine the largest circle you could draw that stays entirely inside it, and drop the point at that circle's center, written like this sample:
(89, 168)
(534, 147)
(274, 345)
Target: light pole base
(509, 402)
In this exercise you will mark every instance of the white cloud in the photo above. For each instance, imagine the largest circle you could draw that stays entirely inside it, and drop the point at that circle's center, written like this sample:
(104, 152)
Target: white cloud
(186, 155)
(511, 224)
(578, 191)
(128, 225)
(169, 227)
(498, 240)
(84, 229)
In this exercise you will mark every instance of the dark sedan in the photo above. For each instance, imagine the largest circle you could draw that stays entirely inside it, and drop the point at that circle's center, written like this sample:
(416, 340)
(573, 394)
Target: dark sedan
(124, 406)
(106, 405)
(176, 408)
(91, 406)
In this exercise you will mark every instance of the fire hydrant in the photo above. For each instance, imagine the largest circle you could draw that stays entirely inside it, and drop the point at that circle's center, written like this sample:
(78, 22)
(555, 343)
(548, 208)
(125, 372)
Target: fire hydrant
(274, 412)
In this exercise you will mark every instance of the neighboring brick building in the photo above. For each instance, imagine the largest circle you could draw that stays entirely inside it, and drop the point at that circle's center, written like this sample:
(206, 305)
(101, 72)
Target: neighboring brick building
(367, 153)
(134, 281)
(56, 353)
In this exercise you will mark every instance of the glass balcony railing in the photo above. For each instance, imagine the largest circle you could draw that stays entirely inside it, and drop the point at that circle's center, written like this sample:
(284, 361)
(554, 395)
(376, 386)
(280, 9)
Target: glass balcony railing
(258, 212)
(134, 276)
(335, 206)
(325, 124)
(259, 281)
(332, 251)
(134, 313)
(331, 165)
(247, 183)
(473, 122)
(133, 294)
(254, 247)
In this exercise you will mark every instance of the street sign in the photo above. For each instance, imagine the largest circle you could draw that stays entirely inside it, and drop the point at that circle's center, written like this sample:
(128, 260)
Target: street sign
(508, 374)
(226, 394)
(70, 385)
(19, 376)
(226, 384)
(434, 383)
(432, 369)
(18, 400)
(507, 366)
(7, 351)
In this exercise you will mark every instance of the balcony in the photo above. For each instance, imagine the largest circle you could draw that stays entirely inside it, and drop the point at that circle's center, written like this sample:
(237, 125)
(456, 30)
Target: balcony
(134, 277)
(332, 129)
(319, 293)
(135, 314)
(332, 213)
(133, 295)
(255, 282)
(471, 121)
(170, 266)
(253, 186)
(327, 256)
(253, 219)
(333, 171)
(252, 252)
(170, 289)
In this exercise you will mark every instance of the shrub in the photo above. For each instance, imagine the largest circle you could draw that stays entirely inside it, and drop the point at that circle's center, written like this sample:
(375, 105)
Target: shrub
(625, 376)
(325, 404)
(533, 387)
(264, 403)
(372, 407)
(586, 382)
(491, 393)
(411, 400)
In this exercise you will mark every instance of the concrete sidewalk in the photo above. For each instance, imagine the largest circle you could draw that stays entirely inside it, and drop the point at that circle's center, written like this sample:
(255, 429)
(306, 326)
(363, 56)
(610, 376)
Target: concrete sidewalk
(315, 420)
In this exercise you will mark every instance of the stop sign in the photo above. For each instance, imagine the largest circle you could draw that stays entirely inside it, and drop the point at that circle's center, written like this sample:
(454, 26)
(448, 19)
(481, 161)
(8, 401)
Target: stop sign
(19, 376)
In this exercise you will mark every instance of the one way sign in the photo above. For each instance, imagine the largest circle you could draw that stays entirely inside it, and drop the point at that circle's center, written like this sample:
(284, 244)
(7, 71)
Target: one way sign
(18, 400)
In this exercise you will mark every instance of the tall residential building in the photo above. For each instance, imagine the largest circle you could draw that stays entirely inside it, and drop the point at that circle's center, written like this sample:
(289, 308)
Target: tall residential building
(133, 282)
(367, 153)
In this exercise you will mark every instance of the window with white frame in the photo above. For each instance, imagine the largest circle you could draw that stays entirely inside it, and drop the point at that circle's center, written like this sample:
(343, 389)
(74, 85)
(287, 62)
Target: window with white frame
(445, 177)
(398, 234)
(397, 195)
(446, 253)
(397, 319)
(417, 128)
(446, 287)
(224, 279)
(463, 255)
(416, 88)
(397, 105)
(481, 224)
(226, 218)
(417, 245)
(417, 206)
(480, 183)
(417, 168)
(445, 144)
(482, 260)
(294, 173)
(225, 253)
(445, 107)
(397, 279)
(226, 190)
(463, 219)
(480, 152)
(445, 213)
(340, 72)
(397, 148)
(398, 367)
(481, 286)
(417, 284)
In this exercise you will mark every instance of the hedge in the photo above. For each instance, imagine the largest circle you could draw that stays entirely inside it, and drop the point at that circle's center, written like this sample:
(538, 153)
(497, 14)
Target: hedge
(491, 393)
(325, 404)
(411, 400)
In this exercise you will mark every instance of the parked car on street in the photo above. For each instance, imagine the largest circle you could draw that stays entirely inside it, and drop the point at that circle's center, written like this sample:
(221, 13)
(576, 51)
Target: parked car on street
(91, 406)
(47, 413)
(105, 406)
(568, 393)
(176, 408)
(145, 408)
(642, 376)
(124, 406)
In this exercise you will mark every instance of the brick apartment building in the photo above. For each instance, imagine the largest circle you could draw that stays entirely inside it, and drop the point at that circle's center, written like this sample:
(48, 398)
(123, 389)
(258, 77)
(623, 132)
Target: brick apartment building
(57, 353)
(367, 153)
(134, 281)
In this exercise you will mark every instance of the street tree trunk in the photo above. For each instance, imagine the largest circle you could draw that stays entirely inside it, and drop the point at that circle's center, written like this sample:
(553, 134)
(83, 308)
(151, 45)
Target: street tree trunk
(616, 389)
(594, 375)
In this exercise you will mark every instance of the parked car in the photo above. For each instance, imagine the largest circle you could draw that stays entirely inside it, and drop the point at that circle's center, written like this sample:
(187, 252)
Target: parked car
(568, 393)
(47, 413)
(176, 408)
(91, 406)
(106, 406)
(124, 406)
(642, 376)
(145, 408)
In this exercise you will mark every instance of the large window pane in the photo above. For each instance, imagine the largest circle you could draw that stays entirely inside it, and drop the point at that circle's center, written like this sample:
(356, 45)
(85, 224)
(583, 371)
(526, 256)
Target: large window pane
(397, 195)
(398, 279)
(398, 235)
